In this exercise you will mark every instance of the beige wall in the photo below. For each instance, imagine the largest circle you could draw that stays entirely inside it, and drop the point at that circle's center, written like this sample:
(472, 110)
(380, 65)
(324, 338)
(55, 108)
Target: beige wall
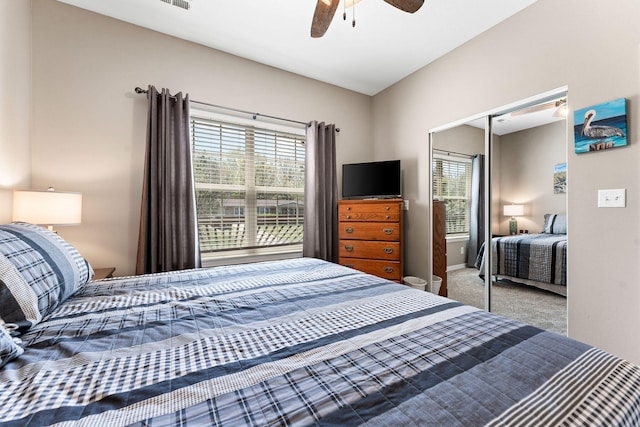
(548, 45)
(462, 139)
(89, 126)
(526, 167)
(15, 101)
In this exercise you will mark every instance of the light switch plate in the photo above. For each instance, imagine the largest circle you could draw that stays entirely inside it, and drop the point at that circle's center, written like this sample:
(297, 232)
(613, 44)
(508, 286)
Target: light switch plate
(614, 198)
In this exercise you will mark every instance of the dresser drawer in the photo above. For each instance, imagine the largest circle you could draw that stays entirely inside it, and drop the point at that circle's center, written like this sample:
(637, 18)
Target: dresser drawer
(369, 249)
(386, 269)
(384, 212)
(369, 231)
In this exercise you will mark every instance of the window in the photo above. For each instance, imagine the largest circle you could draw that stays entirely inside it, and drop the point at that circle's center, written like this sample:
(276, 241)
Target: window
(249, 186)
(452, 183)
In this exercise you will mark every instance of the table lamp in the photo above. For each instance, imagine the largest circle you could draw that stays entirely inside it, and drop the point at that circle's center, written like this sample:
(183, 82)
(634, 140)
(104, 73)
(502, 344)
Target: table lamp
(47, 207)
(513, 211)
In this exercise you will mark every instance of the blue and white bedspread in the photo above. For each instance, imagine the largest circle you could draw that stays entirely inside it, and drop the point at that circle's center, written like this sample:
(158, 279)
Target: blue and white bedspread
(538, 257)
(300, 342)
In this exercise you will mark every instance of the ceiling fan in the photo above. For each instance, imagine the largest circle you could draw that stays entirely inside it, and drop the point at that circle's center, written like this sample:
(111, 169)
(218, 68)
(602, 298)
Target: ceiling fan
(325, 9)
(558, 104)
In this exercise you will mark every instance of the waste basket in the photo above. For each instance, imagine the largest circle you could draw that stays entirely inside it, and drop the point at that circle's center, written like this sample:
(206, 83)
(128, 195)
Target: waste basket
(436, 282)
(415, 282)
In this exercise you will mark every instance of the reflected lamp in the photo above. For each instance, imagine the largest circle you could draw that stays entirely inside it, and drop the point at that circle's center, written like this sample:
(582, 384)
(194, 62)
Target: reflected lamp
(513, 211)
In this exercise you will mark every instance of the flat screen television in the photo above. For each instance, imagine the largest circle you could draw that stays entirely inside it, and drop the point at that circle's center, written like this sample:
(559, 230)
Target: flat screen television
(371, 180)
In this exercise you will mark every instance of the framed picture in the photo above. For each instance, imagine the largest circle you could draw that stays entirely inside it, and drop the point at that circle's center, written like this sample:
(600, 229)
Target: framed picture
(601, 126)
(560, 178)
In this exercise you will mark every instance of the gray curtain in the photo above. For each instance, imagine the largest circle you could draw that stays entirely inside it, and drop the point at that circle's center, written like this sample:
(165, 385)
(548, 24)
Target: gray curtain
(476, 218)
(320, 239)
(168, 238)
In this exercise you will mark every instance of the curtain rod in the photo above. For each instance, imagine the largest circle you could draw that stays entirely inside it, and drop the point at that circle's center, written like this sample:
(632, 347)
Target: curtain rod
(452, 153)
(254, 115)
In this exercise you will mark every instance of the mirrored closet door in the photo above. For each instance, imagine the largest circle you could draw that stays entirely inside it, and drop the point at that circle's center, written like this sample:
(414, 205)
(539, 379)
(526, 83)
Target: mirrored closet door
(502, 177)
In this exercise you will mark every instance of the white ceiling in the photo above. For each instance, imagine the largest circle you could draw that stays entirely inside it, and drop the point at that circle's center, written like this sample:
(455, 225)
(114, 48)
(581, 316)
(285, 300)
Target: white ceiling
(385, 46)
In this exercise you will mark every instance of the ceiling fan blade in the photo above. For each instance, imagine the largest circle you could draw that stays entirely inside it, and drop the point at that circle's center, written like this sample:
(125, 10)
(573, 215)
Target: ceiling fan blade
(536, 108)
(325, 9)
(410, 6)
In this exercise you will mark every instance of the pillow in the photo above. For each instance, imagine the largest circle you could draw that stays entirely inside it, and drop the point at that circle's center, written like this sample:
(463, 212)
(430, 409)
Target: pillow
(9, 348)
(555, 224)
(38, 271)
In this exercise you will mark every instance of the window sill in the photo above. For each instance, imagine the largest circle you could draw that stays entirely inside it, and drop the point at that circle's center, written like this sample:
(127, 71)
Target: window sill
(243, 257)
(458, 238)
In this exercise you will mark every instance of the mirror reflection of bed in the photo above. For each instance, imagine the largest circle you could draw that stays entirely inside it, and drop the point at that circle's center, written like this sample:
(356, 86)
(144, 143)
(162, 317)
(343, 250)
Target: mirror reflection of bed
(522, 172)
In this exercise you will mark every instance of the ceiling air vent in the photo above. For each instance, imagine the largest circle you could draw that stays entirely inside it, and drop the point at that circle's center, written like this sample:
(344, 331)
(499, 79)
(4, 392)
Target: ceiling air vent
(179, 3)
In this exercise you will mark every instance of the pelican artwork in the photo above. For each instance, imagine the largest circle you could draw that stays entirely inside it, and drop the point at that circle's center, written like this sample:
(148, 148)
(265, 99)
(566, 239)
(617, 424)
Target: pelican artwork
(608, 130)
(598, 132)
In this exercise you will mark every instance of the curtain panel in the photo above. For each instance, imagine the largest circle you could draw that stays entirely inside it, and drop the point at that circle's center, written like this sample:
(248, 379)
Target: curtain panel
(320, 238)
(168, 238)
(476, 214)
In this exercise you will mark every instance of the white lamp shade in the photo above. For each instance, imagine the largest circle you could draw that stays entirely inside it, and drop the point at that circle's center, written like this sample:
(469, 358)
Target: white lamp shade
(513, 210)
(47, 207)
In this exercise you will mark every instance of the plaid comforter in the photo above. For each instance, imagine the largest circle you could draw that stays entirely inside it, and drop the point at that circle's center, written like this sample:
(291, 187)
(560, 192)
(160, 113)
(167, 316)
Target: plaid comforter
(300, 342)
(539, 257)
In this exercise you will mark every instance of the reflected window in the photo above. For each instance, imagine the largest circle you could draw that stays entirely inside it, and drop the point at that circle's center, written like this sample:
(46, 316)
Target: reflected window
(452, 184)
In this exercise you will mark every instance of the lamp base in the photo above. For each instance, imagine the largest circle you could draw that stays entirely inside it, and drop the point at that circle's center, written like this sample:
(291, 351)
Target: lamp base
(513, 226)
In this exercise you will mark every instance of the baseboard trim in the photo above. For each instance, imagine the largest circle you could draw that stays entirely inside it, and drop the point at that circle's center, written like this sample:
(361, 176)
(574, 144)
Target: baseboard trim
(456, 267)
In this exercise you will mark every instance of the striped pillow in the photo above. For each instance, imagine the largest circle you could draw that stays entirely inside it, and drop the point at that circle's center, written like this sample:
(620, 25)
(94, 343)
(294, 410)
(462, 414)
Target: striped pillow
(38, 271)
(555, 224)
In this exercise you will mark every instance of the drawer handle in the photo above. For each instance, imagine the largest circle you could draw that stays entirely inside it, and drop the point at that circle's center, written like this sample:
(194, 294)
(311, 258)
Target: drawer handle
(348, 230)
(388, 269)
(387, 230)
(388, 250)
(348, 208)
(388, 216)
(387, 208)
(348, 248)
(349, 265)
(348, 216)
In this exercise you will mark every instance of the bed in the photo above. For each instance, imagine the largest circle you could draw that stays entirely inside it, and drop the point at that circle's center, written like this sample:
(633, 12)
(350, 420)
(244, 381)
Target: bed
(538, 260)
(297, 342)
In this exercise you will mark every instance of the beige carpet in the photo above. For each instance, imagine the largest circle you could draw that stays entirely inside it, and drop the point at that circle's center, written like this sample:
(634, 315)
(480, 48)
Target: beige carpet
(536, 307)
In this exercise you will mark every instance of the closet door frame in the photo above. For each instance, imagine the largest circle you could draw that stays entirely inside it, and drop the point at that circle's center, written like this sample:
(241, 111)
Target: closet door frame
(487, 117)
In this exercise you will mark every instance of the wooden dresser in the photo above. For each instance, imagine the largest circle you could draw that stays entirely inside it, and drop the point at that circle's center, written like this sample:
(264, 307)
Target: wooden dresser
(371, 236)
(440, 246)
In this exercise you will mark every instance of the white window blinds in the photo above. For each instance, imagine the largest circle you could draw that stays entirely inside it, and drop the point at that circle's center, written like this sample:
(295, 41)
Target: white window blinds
(452, 183)
(249, 185)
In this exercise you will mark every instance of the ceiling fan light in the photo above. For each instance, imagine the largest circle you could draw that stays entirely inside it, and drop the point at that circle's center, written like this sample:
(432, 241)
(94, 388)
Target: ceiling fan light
(562, 111)
(350, 3)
